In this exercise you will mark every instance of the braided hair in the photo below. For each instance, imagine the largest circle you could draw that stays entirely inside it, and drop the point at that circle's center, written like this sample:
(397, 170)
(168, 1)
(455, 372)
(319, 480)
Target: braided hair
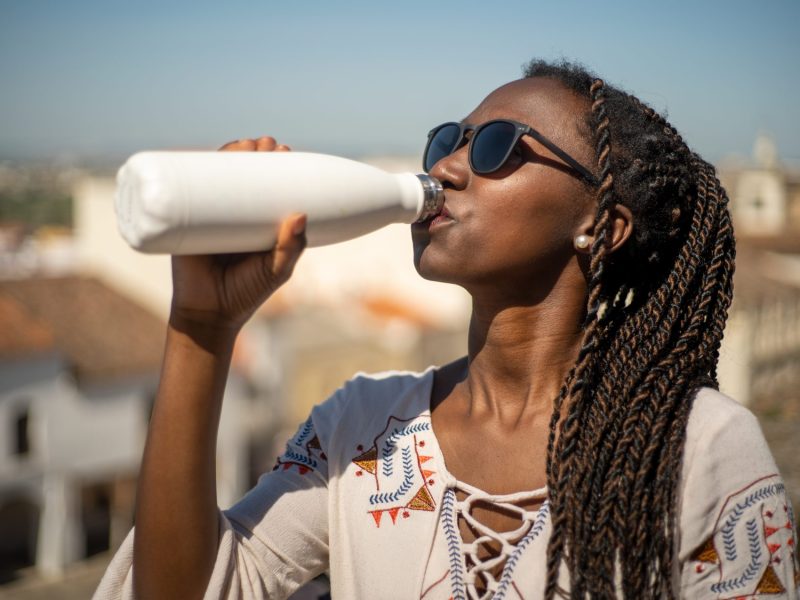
(655, 314)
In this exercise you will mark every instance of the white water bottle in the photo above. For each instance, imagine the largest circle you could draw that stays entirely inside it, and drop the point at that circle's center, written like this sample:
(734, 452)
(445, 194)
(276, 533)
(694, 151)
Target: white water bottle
(220, 202)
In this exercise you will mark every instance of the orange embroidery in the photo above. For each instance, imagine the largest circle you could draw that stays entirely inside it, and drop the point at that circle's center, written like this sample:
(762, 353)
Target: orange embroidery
(422, 500)
(390, 457)
(707, 552)
(770, 584)
(368, 460)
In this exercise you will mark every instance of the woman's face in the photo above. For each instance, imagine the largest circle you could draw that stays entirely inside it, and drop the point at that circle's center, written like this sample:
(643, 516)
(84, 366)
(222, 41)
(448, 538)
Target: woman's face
(515, 226)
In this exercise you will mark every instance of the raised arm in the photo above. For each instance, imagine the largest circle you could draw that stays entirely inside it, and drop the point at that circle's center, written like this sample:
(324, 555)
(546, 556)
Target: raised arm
(176, 507)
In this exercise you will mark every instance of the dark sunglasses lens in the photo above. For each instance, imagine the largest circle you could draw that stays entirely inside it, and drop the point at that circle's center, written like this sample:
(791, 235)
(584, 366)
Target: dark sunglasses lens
(441, 144)
(491, 145)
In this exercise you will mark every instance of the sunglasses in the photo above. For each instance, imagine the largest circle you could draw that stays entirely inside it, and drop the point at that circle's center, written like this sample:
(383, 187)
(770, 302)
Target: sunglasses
(490, 145)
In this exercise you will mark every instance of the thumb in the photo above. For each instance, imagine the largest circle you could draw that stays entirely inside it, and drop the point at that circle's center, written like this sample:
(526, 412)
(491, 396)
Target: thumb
(290, 243)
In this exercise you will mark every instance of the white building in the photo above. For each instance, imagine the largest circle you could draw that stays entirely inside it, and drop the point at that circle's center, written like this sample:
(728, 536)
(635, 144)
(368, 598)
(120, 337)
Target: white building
(78, 373)
(764, 193)
(760, 357)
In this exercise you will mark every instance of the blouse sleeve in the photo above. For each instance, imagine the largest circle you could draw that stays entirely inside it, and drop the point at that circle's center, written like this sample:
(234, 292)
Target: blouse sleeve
(738, 533)
(272, 541)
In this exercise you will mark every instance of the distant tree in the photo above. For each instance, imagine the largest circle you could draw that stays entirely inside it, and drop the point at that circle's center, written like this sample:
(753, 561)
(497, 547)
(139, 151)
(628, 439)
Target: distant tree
(36, 207)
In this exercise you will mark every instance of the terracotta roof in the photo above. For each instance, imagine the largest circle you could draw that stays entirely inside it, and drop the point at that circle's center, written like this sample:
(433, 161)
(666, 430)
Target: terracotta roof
(22, 334)
(102, 334)
(386, 308)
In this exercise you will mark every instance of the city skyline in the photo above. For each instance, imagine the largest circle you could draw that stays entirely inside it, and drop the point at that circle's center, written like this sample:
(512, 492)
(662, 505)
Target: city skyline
(90, 80)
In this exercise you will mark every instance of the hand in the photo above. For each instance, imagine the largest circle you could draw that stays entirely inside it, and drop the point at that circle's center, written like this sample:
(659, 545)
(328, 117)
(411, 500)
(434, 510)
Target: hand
(220, 292)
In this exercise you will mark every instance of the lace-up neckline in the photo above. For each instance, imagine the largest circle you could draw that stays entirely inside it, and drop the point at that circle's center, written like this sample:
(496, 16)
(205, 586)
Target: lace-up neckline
(466, 566)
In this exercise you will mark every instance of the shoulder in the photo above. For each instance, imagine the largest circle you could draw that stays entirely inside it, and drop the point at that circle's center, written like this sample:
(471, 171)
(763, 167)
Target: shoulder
(724, 441)
(367, 400)
(362, 404)
(714, 411)
(376, 388)
(387, 384)
(736, 523)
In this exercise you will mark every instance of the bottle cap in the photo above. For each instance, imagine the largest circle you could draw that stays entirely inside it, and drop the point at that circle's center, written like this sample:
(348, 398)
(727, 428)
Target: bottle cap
(433, 197)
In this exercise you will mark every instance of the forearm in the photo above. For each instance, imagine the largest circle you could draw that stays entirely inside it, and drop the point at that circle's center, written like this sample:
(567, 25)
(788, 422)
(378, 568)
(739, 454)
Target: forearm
(176, 507)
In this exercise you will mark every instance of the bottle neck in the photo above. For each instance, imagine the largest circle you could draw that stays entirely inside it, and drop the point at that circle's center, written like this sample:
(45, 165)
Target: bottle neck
(432, 197)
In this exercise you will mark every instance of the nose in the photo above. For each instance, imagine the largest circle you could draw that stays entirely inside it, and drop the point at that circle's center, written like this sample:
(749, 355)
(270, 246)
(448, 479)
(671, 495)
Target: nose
(453, 170)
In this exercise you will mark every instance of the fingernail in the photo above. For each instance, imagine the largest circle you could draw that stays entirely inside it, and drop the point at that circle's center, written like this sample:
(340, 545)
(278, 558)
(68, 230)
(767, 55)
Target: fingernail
(299, 225)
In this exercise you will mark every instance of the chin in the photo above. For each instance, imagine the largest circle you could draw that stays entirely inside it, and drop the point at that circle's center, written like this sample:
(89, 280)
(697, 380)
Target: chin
(433, 270)
(443, 264)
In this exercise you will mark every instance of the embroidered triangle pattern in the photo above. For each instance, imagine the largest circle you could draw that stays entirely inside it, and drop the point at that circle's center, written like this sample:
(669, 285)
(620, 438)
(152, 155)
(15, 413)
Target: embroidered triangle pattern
(422, 500)
(770, 584)
(706, 553)
(368, 461)
(372, 461)
(768, 531)
(377, 514)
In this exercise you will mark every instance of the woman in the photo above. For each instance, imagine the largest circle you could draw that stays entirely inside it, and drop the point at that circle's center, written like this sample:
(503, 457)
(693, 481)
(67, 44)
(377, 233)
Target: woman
(579, 447)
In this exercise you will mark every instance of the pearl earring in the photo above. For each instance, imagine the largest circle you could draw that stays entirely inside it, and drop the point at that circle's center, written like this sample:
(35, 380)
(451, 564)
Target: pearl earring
(582, 242)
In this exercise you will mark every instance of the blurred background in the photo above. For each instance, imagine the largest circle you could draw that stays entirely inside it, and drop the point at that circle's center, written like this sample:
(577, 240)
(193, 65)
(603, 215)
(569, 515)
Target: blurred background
(82, 317)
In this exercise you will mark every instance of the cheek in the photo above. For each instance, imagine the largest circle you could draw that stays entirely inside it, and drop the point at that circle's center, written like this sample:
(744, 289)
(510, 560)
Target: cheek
(481, 251)
(502, 232)
(532, 228)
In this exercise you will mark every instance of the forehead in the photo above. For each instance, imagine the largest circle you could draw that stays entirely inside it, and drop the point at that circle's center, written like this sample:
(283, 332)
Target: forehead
(543, 103)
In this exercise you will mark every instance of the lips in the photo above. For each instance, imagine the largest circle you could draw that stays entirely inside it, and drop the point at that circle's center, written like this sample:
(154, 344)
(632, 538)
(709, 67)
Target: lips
(442, 218)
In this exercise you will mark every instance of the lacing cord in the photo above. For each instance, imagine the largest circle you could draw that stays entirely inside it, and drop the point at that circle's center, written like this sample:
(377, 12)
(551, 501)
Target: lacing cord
(507, 540)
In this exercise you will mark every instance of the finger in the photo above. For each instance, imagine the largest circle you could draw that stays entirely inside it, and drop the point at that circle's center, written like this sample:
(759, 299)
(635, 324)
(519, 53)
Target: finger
(243, 145)
(266, 144)
(289, 246)
(282, 148)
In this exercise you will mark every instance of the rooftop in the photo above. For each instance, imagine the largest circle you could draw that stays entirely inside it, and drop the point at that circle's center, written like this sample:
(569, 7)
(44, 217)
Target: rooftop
(101, 334)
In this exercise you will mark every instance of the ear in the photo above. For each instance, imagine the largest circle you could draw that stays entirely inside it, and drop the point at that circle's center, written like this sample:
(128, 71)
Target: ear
(621, 226)
(621, 229)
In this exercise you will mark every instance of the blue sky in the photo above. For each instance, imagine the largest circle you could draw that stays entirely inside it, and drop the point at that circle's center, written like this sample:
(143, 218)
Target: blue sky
(105, 78)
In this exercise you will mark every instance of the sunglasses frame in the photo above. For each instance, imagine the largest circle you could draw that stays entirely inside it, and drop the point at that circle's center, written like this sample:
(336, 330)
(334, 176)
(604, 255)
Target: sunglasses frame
(521, 129)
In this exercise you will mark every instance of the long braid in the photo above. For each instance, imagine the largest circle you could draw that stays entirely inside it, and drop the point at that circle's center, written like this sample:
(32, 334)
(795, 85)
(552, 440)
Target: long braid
(655, 311)
(563, 453)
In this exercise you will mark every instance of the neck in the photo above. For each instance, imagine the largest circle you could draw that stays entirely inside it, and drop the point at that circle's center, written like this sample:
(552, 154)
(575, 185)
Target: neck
(519, 355)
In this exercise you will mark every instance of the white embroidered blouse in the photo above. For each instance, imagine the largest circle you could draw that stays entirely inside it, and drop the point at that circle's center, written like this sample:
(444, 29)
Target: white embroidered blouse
(363, 492)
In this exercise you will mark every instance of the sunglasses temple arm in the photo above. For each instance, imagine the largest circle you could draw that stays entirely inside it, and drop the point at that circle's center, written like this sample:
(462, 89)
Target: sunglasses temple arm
(587, 175)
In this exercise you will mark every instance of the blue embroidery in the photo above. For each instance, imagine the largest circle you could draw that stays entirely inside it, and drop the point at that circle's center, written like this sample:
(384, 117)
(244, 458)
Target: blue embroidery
(533, 533)
(754, 542)
(453, 545)
(408, 480)
(304, 432)
(729, 541)
(390, 443)
(295, 451)
(738, 511)
(292, 456)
